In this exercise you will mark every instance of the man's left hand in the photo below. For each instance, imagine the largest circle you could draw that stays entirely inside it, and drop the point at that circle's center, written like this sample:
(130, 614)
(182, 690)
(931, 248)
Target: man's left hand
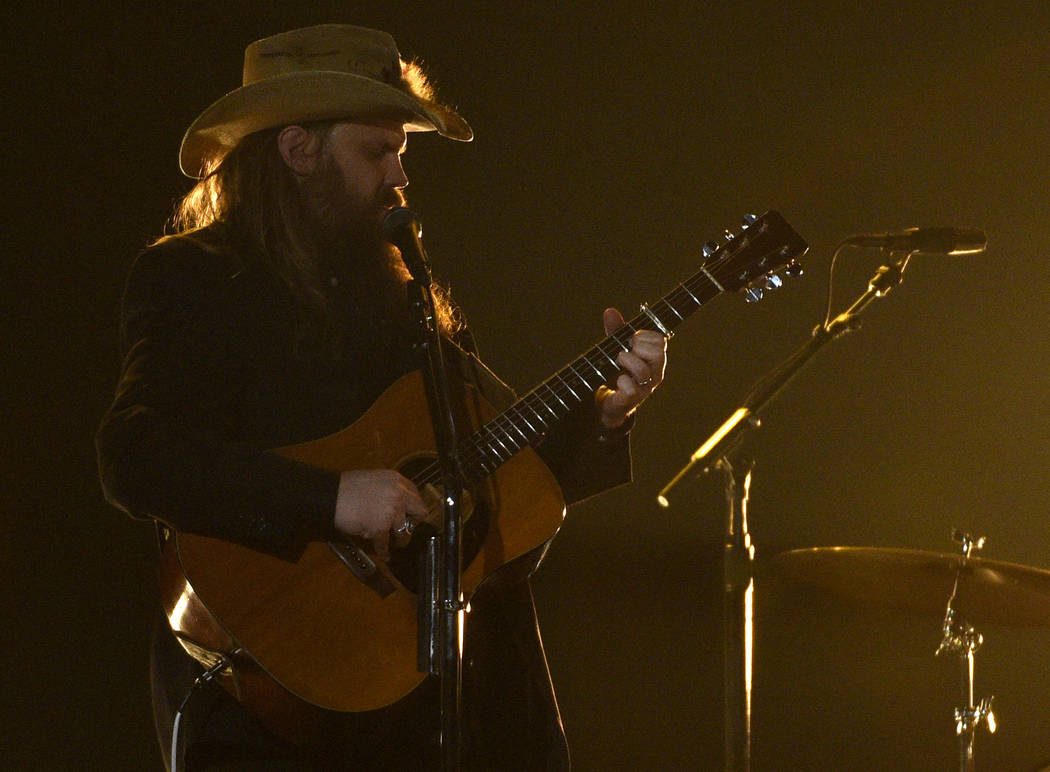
(643, 370)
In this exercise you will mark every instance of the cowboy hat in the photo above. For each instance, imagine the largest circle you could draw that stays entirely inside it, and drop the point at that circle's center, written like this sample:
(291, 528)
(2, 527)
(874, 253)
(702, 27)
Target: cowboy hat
(317, 73)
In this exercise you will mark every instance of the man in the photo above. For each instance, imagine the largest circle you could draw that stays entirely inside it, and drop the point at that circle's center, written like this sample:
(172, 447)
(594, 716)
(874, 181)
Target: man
(276, 314)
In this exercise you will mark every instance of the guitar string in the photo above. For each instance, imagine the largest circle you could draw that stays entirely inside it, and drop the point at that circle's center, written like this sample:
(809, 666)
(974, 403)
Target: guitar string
(560, 384)
(479, 450)
(476, 452)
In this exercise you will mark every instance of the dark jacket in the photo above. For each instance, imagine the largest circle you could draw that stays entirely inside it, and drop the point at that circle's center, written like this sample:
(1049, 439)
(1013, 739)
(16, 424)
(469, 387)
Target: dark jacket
(214, 377)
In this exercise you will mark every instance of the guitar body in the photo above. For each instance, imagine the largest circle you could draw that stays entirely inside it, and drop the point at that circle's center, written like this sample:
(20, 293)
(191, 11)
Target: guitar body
(312, 626)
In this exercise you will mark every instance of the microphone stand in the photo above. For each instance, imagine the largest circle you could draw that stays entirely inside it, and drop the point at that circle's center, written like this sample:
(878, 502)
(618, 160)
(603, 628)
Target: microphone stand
(738, 554)
(439, 645)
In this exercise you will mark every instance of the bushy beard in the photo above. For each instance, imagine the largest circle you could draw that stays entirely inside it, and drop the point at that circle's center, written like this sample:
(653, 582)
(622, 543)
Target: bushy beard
(348, 232)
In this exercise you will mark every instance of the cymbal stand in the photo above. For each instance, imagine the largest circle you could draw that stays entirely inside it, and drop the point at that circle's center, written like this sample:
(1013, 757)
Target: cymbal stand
(962, 639)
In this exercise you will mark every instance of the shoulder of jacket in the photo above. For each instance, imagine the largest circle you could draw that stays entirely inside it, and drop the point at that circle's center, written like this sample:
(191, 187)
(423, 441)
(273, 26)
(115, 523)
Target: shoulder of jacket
(203, 253)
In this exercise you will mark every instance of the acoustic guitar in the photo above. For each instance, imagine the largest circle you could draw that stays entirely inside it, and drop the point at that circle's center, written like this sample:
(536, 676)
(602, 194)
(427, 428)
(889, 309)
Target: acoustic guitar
(336, 627)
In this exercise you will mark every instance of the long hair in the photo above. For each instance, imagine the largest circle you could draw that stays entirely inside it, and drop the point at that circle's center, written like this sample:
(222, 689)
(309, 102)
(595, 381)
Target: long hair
(256, 202)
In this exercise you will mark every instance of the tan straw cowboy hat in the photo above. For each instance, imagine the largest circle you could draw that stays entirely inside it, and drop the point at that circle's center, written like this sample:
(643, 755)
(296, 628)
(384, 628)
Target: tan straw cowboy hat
(326, 72)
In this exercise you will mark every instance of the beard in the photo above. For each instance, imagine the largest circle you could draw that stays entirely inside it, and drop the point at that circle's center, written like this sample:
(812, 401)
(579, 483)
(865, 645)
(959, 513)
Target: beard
(340, 217)
(348, 232)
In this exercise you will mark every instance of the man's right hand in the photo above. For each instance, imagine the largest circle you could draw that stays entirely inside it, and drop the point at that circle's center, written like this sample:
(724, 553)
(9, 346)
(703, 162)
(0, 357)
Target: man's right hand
(374, 502)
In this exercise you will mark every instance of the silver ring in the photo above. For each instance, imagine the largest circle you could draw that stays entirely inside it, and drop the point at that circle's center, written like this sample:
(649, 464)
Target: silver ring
(406, 528)
(646, 382)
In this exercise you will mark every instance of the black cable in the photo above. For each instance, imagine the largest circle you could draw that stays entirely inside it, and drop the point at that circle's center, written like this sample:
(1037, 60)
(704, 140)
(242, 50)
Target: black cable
(202, 679)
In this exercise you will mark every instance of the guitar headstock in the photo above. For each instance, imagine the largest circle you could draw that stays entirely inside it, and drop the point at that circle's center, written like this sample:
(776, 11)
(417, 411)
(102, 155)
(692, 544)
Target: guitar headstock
(757, 257)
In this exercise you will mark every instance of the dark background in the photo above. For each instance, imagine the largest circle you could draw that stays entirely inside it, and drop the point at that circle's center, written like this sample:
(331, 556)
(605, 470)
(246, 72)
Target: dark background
(613, 139)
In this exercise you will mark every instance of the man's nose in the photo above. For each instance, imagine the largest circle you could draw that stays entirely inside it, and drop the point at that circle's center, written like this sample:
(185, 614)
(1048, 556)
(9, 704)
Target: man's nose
(396, 176)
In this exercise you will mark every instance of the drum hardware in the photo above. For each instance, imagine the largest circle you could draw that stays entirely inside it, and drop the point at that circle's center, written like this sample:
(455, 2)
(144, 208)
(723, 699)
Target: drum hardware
(960, 638)
(978, 590)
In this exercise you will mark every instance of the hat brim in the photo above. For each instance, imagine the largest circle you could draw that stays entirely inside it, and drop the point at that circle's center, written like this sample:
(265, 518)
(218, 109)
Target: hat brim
(301, 97)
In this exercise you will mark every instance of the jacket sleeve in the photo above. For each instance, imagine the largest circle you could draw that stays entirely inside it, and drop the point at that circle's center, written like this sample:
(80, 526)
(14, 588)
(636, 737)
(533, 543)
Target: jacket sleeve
(586, 460)
(167, 448)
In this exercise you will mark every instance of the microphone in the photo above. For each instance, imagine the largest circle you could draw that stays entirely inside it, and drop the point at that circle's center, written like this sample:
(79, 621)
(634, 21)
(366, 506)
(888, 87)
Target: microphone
(401, 227)
(937, 241)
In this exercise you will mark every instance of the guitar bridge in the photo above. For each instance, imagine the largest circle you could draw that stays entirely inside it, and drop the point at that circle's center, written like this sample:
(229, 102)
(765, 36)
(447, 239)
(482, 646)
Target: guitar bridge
(363, 567)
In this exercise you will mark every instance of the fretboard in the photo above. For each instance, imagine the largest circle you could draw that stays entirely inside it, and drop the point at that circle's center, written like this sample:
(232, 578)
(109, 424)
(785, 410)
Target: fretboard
(533, 415)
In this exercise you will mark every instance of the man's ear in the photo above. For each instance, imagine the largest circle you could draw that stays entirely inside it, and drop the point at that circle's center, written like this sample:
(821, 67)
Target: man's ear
(300, 149)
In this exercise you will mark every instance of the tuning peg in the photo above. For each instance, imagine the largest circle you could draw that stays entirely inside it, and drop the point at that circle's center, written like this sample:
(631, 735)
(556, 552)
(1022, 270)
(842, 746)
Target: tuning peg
(749, 219)
(753, 294)
(794, 269)
(729, 235)
(709, 248)
(773, 281)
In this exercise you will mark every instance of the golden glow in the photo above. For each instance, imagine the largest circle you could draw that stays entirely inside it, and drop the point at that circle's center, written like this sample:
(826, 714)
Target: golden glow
(462, 625)
(749, 637)
(740, 414)
(179, 612)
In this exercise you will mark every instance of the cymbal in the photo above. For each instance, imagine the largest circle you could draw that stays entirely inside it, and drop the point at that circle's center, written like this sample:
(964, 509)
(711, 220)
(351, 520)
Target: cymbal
(990, 592)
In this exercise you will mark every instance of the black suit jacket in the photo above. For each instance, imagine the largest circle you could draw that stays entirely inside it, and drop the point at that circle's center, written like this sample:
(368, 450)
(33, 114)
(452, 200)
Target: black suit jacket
(214, 377)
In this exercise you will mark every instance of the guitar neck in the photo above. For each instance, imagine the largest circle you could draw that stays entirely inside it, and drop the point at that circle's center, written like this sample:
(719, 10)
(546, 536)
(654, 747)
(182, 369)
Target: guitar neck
(534, 414)
(749, 262)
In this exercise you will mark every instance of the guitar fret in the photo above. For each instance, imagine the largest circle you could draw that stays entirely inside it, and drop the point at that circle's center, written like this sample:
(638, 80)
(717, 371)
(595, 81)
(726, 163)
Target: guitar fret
(485, 452)
(536, 397)
(502, 422)
(506, 423)
(519, 431)
(483, 464)
(569, 387)
(538, 416)
(552, 391)
(549, 408)
(595, 367)
(714, 281)
(526, 420)
(656, 320)
(584, 380)
(674, 311)
(687, 298)
(487, 438)
(497, 438)
(690, 294)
